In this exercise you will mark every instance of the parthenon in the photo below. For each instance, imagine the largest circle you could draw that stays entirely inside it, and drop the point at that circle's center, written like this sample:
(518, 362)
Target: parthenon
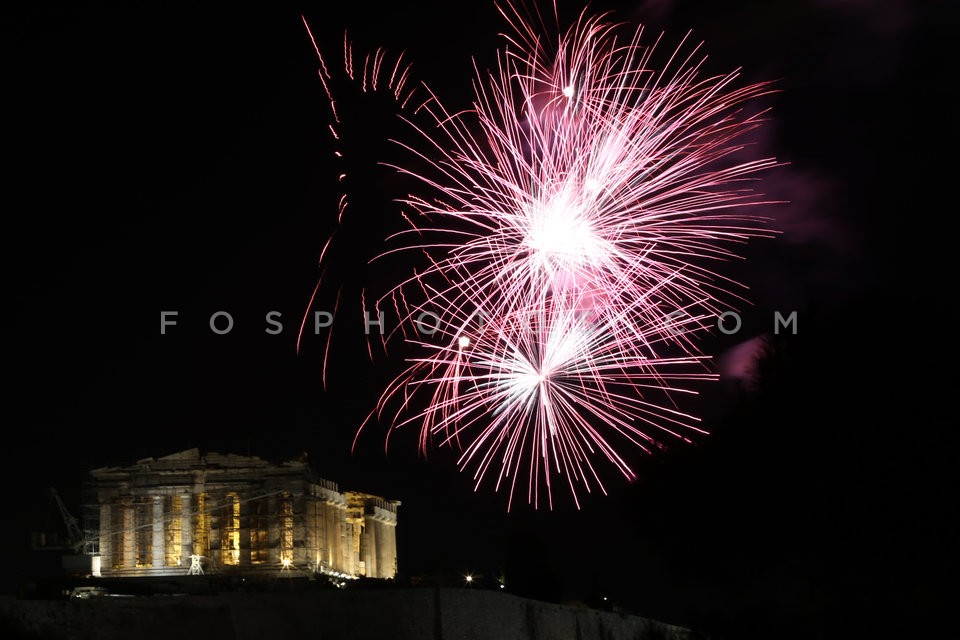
(215, 513)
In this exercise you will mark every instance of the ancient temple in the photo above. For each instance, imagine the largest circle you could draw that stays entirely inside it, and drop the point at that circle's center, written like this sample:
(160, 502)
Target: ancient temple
(190, 513)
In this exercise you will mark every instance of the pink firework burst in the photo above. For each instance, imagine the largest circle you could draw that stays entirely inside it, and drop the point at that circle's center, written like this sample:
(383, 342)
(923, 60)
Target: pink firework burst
(575, 220)
(543, 392)
(588, 170)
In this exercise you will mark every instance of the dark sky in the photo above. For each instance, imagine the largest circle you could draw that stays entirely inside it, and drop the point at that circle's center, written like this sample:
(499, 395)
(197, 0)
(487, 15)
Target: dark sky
(175, 158)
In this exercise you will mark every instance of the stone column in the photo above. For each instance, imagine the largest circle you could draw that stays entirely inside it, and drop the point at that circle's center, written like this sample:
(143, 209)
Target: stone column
(245, 508)
(345, 541)
(273, 528)
(186, 530)
(106, 553)
(350, 557)
(298, 553)
(157, 548)
(368, 547)
(331, 537)
(329, 543)
(382, 567)
(392, 565)
(214, 550)
(129, 536)
(313, 526)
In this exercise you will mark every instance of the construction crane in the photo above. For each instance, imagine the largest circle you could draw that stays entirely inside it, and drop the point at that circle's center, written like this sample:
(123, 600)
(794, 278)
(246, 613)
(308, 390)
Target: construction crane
(75, 539)
(79, 559)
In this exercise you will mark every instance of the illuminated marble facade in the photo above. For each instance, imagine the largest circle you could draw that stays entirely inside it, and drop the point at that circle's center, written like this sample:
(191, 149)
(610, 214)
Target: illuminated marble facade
(238, 514)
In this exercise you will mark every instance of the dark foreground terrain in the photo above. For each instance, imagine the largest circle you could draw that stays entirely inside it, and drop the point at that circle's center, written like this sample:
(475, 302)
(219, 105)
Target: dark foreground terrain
(399, 614)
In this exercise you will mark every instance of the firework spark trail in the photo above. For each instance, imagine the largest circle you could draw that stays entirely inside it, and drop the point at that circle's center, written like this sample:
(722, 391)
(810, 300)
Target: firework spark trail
(381, 75)
(616, 180)
(582, 209)
(547, 387)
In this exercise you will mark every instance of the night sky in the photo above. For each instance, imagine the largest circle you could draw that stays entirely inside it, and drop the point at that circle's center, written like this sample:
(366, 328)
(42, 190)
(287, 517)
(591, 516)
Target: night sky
(179, 159)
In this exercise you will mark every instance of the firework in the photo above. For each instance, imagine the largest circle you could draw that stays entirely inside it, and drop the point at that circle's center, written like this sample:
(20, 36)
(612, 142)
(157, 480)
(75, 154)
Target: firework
(353, 77)
(575, 221)
(542, 392)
